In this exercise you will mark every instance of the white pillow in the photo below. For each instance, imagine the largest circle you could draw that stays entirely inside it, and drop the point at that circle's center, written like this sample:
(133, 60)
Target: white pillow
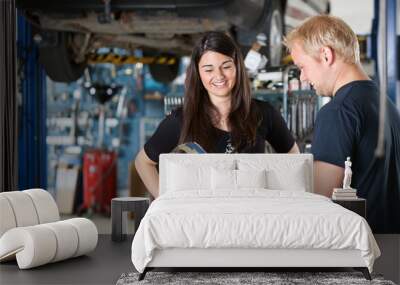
(223, 179)
(181, 177)
(251, 178)
(236, 179)
(292, 179)
(281, 174)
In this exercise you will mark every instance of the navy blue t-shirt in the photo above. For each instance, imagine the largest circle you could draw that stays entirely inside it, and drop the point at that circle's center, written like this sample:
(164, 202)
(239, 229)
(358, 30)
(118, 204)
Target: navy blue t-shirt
(348, 126)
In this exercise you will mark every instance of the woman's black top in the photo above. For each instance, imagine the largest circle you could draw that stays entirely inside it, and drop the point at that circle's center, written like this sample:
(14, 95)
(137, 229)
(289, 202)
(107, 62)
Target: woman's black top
(272, 129)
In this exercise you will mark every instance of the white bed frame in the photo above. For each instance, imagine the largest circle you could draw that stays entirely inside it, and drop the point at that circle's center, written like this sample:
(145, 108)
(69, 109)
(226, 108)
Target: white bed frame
(251, 258)
(256, 258)
(234, 257)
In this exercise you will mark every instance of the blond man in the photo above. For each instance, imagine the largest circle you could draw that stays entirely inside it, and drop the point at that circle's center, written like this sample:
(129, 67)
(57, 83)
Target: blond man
(326, 51)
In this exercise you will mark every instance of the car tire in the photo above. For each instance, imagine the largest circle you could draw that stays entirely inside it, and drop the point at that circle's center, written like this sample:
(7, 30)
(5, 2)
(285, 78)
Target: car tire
(57, 60)
(274, 27)
(165, 73)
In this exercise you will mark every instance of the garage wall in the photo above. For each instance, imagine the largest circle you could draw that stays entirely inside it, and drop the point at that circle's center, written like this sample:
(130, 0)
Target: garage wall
(357, 13)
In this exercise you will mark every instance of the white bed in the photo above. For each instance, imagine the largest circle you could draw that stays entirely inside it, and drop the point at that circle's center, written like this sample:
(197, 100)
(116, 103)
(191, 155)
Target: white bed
(247, 210)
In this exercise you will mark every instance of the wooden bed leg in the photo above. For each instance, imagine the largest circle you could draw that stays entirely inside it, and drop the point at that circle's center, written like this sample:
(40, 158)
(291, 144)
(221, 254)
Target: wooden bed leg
(364, 271)
(143, 274)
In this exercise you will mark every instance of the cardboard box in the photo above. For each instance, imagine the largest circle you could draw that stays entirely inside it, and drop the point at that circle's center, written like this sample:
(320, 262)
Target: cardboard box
(66, 187)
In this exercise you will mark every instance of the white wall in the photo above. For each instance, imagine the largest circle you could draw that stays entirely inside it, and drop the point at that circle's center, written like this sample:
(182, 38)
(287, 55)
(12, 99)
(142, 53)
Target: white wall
(357, 13)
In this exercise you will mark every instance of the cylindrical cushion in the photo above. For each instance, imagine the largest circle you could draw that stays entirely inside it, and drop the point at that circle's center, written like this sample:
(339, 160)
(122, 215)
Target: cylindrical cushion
(37, 245)
(7, 218)
(87, 234)
(23, 208)
(34, 246)
(45, 205)
(67, 239)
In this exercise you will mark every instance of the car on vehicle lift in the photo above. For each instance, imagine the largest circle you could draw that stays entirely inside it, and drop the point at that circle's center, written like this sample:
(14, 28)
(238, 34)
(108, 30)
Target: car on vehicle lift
(67, 31)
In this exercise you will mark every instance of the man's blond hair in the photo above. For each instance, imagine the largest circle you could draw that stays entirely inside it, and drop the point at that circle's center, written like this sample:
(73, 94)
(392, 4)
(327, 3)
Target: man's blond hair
(323, 30)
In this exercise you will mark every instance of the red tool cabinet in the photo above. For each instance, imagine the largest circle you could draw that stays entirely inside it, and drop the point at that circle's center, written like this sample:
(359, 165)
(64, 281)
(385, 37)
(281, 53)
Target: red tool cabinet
(99, 180)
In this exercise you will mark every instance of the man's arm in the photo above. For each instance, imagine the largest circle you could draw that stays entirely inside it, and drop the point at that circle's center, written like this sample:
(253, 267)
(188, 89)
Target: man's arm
(295, 149)
(326, 177)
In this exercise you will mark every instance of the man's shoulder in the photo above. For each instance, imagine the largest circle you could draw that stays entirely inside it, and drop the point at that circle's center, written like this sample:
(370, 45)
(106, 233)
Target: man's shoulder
(357, 92)
(354, 99)
(356, 85)
(329, 109)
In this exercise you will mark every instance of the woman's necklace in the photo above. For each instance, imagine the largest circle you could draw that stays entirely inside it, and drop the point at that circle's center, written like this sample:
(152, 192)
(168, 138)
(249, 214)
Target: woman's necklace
(229, 147)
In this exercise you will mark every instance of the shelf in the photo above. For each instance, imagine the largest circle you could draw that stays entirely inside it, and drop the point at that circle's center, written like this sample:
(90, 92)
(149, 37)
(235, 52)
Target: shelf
(279, 92)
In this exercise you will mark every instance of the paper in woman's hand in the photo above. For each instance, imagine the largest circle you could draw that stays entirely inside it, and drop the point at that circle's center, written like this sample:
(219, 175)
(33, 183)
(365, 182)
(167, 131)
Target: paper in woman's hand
(189, 147)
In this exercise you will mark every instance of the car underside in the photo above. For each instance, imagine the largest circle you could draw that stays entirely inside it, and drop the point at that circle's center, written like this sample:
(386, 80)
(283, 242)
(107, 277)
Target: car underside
(74, 29)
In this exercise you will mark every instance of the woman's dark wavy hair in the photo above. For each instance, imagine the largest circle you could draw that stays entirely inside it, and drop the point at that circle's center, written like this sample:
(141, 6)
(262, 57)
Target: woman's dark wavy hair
(198, 111)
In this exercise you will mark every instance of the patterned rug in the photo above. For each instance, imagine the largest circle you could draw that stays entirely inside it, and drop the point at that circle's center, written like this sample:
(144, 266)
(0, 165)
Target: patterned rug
(243, 278)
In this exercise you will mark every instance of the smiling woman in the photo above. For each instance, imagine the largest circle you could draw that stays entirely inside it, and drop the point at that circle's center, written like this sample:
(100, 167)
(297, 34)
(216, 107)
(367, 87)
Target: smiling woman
(217, 73)
(218, 113)
(218, 76)
(218, 97)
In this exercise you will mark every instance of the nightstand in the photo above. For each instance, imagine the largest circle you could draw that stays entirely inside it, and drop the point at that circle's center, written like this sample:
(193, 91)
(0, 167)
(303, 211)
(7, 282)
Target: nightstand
(137, 205)
(357, 205)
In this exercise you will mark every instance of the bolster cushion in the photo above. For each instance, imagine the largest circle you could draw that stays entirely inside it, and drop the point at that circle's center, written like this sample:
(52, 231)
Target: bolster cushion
(7, 219)
(40, 244)
(26, 208)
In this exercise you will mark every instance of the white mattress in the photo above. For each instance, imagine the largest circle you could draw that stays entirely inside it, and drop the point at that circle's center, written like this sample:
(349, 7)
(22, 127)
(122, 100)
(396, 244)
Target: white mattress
(252, 218)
